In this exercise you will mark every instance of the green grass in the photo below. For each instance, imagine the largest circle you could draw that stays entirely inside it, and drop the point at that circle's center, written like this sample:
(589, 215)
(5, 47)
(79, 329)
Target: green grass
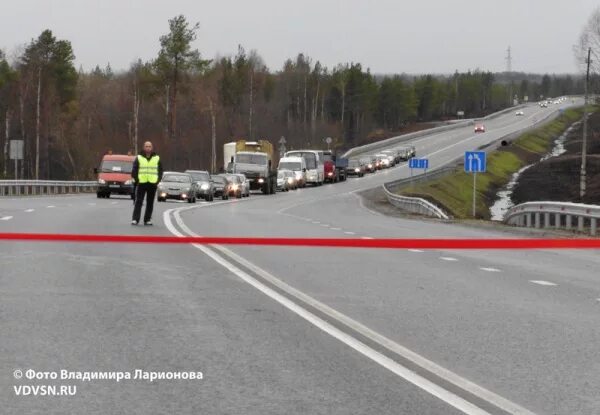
(454, 192)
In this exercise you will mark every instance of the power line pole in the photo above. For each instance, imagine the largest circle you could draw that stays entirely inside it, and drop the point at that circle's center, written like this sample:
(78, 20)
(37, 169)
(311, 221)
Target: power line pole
(509, 71)
(582, 182)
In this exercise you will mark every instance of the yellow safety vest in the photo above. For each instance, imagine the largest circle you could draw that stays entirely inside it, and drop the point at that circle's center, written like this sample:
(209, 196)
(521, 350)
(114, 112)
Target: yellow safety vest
(148, 169)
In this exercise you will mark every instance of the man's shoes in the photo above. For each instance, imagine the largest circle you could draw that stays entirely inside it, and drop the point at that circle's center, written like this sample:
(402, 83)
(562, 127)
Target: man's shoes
(134, 222)
(149, 223)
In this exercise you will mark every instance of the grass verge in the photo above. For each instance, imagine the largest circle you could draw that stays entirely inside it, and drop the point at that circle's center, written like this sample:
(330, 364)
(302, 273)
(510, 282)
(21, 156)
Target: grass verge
(454, 192)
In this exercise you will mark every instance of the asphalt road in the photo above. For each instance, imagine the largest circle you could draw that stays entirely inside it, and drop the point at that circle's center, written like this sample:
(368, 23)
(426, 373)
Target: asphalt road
(296, 330)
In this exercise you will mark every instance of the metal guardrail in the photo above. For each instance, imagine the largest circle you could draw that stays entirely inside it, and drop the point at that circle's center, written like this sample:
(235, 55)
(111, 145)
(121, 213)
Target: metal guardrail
(558, 215)
(45, 187)
(414, 205)
(434, 174)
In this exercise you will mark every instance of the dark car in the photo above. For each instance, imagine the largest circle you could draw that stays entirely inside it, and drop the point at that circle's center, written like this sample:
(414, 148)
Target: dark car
(355, 168)
(178, 186)
(221, 185)
(205, 186)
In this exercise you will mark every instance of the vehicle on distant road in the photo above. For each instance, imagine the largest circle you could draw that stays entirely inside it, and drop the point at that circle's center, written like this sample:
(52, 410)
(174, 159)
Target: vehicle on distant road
(369, 163)
(221, 185)
(355, 168)
(205, 188)
(254, 159)
(315, 169)
(335, 167)
(297, 165)
(235, 187)
(114, 176)
(479, 128)
(245, 184)
(286, 180)
(178, 186)
(520, 112)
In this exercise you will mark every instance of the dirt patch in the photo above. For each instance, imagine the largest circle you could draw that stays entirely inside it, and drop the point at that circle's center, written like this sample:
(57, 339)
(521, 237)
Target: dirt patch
(557, 179)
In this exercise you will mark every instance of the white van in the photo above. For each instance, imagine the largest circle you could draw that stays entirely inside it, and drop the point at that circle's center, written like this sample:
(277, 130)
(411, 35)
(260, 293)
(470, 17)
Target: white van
(297, 165)
(315, 169)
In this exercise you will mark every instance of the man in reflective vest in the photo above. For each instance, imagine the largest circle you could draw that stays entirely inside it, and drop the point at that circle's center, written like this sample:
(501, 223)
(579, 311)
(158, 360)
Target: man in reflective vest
(147, 172)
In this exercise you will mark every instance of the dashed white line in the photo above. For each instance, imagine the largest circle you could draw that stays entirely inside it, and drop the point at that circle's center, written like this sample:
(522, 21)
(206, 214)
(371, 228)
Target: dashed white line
(448, 258)
(51, 206)
(542, 282)
(325, 225)
(336, 229)
(316, 222)
(29, 210)
(489, 269)
(350, 233)
(415, 250)
(365, 237)
(6, 218)
(113, 203)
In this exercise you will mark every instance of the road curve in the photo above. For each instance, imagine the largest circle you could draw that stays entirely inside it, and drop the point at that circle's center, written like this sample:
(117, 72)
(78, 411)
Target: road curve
(298, 330)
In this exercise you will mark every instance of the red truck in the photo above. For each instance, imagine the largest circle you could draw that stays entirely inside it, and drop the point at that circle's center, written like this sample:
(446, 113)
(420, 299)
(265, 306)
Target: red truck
(335, 167)
(114, 175)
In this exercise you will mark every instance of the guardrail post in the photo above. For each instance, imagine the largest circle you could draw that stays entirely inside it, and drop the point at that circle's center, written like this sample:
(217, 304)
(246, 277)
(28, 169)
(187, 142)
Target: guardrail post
(537, 219)
(593, 226)
(568, 221)
(557, 220)
(528, 219)
(580, 223)
(547, 220)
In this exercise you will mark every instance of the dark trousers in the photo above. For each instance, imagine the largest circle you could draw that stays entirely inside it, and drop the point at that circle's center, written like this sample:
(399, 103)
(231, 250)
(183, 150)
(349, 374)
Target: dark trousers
(141, 191)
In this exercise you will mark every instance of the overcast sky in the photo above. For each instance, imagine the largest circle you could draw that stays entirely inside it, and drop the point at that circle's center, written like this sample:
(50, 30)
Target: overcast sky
(388, 36)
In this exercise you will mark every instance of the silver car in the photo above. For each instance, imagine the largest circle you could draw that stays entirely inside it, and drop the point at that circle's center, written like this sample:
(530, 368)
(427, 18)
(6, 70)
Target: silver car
(178, 186)
(245, 184)
(205, 186)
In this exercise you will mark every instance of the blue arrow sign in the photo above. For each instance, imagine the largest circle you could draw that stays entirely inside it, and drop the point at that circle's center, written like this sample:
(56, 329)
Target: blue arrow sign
(475, 162)
(415, 163)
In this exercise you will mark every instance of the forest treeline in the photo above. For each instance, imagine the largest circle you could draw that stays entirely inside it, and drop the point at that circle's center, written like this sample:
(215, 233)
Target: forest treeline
(68, 117)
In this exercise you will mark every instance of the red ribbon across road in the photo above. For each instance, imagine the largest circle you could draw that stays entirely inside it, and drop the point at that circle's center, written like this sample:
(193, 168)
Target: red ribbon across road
(396, 243)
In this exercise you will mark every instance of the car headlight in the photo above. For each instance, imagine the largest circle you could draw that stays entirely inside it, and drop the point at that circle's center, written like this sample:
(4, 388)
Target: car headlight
(290, 180)
(330, 174)
(101, 181)
(204, 186)
(261, 180)
(357, 169)
(298, 175)
(184, 195)
(370, 166)
(128, 182)
(234, 187)
(163, 194)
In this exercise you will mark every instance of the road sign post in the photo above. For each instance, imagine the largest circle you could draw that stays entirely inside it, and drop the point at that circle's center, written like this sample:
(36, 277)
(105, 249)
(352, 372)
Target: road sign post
(475, 162)
(415, 163)
(16, 153)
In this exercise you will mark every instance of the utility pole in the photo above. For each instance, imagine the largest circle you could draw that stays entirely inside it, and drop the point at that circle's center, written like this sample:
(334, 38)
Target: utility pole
(509, 71)
(582, 182)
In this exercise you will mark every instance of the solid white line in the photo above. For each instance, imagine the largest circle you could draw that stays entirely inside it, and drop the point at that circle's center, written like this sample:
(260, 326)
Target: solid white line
(425, 384)
(389, 364)
(416, 250)
(448, 258)
(29, 210)
(6, 218)
(489, 269)
(542, 282)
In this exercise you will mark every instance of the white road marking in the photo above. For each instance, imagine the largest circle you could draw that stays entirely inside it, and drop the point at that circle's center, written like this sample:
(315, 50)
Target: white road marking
(51, 206)
(448, 258)
(113, 203)
(415, 250)
(316, 222)
(336, 229)
(350, 233)
(542, 282)
(489, 269)
(325, 225)
(29, 210)
(6, 218)
(365, 237)
(407, 374)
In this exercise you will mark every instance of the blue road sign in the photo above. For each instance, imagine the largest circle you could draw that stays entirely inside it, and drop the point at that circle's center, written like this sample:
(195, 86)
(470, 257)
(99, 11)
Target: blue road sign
(475, 162)
(415, 163)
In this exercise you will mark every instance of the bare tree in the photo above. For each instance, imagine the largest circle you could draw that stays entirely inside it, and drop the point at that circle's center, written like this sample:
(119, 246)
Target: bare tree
(589, 38)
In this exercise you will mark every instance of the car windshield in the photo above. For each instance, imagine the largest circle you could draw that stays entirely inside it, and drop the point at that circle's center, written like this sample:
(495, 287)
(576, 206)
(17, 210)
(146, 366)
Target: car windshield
(200, 177)
(116, 166)
(310, 158)
(288, 165)
(251, 159)
(176, 178)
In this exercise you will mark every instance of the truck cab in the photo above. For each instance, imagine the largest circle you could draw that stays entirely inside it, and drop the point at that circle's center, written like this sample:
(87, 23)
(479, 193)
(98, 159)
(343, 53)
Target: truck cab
(114, 176)
(254, 160)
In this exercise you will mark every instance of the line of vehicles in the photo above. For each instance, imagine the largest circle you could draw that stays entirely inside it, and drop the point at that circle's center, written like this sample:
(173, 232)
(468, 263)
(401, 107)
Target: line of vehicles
(249, 166)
